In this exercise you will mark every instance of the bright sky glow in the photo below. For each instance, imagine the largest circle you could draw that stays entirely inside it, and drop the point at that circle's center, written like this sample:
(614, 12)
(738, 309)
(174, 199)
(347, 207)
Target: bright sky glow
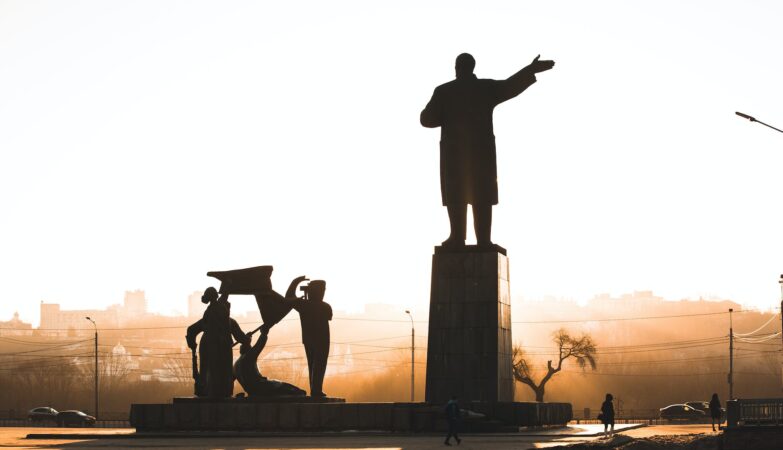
(143, 143)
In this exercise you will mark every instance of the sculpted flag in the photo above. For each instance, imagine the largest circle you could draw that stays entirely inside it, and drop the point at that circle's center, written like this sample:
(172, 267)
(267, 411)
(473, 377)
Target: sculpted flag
(255, 281)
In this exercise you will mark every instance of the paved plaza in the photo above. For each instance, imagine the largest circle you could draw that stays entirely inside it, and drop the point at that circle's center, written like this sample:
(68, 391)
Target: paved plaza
(124, 438)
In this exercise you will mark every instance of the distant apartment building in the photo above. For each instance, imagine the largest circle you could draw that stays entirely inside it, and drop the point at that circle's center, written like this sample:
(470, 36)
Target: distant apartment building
(15, 327)
(135, 304)
(56, 321)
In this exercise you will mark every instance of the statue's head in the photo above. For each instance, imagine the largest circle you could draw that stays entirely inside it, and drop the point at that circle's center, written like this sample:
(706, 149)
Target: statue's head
(316, 290)
(464, 65)
(210, 295)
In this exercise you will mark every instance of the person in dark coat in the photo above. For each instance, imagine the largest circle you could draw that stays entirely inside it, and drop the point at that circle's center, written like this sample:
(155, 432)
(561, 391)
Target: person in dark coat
(215, 379)
(715, 411)
(463, 108)
(607, 414)
(452, 418)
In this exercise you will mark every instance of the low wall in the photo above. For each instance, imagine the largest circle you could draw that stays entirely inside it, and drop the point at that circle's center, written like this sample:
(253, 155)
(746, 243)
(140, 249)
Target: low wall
(393, 417)
(525, 414)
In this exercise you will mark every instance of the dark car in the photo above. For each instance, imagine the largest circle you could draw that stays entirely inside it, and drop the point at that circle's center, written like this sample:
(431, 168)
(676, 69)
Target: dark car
(705, 406)
(701, 406)
(682, 412)
(74, 418)
(42, 413)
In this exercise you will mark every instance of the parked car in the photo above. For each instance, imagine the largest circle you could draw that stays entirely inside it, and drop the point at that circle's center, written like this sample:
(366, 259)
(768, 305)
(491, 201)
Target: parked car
(42, 413)
(74, 418)
(705, 406)
(701, 406)
(682, 412)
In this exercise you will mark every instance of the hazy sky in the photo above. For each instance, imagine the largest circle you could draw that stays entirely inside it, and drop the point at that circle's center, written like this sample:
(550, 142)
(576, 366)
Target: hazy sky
(144, 143)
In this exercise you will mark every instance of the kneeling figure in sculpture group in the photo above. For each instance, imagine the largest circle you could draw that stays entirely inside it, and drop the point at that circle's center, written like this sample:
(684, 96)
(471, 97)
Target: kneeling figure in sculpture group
(247, 373)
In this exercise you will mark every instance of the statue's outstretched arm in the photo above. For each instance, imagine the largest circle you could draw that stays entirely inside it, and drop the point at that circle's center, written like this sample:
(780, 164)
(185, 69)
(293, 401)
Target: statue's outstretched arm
(290, 294)
(238, 334)
(517, 83)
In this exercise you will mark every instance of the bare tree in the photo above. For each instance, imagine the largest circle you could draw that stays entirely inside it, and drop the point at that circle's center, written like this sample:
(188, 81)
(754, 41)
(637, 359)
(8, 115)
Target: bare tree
(582, 349)
(180, 369)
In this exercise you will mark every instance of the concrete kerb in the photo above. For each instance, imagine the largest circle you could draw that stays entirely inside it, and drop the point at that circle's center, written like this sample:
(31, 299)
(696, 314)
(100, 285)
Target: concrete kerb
(586, 431)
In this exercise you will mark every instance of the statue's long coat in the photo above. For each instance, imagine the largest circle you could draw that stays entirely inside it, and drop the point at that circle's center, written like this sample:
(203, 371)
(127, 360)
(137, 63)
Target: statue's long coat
(463, 109)
(215, 348)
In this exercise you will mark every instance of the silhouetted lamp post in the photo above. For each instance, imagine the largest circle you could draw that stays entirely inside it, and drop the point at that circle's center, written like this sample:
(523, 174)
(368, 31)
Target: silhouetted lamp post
(780, 281)
(96, 365)
(413, 346)
(753, 119)
(731, 355)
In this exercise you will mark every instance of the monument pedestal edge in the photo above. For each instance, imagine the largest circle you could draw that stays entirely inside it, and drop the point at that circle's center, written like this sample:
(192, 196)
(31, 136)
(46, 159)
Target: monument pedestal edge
(469, 348)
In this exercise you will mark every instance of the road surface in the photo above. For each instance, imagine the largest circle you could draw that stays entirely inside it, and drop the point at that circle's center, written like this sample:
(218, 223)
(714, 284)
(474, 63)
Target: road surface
(16, 438)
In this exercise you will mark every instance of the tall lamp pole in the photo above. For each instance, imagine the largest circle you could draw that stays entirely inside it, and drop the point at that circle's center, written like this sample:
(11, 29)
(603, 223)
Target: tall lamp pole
(781, 317)
(96, 366)
(413, 346)
(731, 355)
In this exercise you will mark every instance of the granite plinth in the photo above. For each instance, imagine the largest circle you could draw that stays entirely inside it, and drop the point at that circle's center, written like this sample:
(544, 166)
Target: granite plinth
(339, 416)
(469, 342)
(244, 400)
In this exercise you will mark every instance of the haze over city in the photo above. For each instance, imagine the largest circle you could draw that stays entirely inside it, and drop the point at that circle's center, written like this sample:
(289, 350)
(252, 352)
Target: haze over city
(146, 143)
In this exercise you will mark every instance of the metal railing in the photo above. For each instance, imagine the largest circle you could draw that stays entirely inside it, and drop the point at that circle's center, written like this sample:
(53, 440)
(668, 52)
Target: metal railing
(755, 412)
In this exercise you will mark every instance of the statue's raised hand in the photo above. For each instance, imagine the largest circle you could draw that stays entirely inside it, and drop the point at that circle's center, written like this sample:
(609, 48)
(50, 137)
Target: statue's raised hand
(541, 66)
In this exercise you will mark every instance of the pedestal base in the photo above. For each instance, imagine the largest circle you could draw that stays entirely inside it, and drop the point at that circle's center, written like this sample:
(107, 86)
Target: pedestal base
(469, 344)
(338, 416)
(245, 400)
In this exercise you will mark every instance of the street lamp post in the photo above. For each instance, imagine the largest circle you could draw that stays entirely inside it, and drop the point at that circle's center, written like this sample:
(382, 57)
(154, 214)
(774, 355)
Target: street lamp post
(731, 355)
(781, 318)
(96, 365)
(413, 346)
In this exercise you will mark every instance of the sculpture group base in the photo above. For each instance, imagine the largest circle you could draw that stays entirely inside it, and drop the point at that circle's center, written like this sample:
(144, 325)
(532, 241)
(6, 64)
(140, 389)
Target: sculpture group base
(246, 400)
(243, 415)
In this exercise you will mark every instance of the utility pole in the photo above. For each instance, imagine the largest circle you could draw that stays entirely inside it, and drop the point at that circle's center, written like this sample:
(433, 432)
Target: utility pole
(413, 355)
(780, 281)
(96, 366)
(731, 355)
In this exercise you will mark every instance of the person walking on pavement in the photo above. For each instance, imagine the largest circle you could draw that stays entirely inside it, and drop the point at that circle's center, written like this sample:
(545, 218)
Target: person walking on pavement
(715, 411)
(452, 417)
(607, 415)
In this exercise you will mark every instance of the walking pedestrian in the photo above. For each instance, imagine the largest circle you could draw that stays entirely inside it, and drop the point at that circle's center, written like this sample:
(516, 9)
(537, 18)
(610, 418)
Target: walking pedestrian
(715, 411)
(607, 415)
(452, 417)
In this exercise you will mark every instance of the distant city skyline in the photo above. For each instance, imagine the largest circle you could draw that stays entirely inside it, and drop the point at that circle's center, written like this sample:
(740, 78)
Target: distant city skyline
(112, 315)
(144, 145)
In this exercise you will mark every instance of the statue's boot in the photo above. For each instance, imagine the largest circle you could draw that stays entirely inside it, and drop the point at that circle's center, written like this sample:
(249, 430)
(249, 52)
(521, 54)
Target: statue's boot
(482, 223)
(457, 217)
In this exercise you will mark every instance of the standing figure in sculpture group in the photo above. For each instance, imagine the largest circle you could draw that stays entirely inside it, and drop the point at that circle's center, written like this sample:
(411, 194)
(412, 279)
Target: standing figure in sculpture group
(468, 168)
(315, 315)
(215, 379)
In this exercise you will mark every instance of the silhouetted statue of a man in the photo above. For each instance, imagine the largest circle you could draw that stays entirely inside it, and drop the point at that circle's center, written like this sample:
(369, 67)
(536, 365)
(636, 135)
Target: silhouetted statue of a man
(468, 169)
(315, 315)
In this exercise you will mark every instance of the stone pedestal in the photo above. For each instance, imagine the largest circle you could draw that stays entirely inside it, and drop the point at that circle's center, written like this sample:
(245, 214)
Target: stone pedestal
(469, 343)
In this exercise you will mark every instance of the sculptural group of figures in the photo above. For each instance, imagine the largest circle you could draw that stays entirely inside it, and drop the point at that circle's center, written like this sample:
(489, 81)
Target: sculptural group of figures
(213, 371)
(463, 109)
